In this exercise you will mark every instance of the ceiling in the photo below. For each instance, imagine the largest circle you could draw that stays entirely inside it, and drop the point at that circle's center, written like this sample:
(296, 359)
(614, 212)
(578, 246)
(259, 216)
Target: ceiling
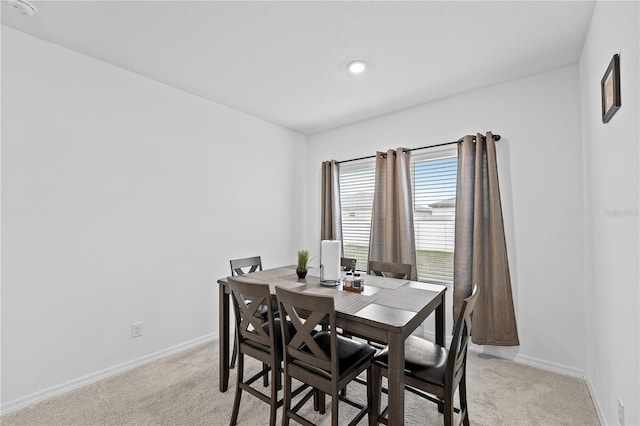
(285, 61)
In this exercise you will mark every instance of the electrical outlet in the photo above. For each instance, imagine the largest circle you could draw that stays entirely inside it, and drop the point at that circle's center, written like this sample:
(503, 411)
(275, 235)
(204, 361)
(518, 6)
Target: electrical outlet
(620, 412)
(136, 329)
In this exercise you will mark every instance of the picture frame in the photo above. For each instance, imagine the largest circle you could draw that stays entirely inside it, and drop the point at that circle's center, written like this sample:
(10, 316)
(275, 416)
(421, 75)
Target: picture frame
(610, 89)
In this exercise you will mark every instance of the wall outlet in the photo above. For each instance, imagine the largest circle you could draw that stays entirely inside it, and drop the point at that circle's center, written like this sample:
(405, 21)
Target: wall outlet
(620, 412)
(136, 329)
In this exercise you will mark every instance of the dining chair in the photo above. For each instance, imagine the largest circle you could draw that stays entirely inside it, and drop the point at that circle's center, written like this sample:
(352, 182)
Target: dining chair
(432, 371)
(389, 269)
(323, 359)
(257, 339)
(239, 266)
(243, 266)
(347, 263)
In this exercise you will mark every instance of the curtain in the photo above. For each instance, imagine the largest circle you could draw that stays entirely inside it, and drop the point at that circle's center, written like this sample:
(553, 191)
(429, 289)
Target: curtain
(480, 249)
(331, 227)
(392, 237)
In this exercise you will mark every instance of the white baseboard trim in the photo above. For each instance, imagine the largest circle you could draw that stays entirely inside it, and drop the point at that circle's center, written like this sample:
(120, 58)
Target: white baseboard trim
(599, 411)
(531, 361)
(62, 388)
(521, 359)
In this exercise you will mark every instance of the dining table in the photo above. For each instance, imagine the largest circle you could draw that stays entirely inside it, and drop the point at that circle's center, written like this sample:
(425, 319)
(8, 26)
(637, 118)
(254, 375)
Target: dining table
(387, 310)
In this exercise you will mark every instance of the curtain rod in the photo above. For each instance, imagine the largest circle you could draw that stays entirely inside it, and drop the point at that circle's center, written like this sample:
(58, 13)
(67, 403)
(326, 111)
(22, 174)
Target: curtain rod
(495, 138)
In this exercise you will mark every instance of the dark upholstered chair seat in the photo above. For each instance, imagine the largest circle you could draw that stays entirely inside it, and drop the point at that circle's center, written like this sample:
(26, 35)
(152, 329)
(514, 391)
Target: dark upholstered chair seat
(422, 359)
(278, 331)
(262, 313)
(351, 353)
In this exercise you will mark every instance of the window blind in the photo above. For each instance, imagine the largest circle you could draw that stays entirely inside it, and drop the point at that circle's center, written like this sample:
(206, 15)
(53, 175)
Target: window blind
(434, 197)
(357, 182)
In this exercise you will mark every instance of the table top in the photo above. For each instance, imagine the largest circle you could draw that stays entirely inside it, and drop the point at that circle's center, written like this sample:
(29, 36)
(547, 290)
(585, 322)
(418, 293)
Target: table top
(388, 302)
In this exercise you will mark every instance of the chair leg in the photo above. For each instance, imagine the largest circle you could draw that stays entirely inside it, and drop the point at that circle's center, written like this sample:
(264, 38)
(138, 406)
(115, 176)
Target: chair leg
(376, 390)
(319, 401)
(234, 353)
(286, 403)
(275, 382)
(448, 410)
(316, 400)
(462, 389)
(334, 409)
(369, 390)
(265, 378)
(278, 377)
(236, 401)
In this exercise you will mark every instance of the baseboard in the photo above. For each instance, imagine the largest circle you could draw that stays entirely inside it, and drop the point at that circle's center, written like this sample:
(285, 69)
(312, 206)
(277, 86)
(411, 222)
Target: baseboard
(99, 375)
(599, 411)
(521, 359)
(531, 361)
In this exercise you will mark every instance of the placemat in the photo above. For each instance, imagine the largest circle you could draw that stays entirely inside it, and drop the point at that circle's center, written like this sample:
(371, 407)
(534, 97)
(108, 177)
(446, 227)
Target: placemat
(322, 291)
(272, 273)
(350, 303)
(406, 298)
(346, 302)
(283, 283)
(383, 282)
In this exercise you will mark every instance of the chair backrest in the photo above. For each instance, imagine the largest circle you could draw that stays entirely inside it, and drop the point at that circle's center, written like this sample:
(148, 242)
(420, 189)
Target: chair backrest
(305, 312)
(238, 265)
(347, 262)
(457, 357)
(248, 296)
(389, 269)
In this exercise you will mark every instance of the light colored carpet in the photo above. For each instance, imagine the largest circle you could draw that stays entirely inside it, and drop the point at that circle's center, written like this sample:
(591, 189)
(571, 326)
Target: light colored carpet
(183, 390)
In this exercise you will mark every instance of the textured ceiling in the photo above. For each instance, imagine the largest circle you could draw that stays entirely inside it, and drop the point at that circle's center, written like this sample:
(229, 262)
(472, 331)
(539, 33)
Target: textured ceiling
(285, 62)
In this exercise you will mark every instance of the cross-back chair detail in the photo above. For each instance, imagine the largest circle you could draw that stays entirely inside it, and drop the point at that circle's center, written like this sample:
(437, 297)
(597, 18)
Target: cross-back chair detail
(323, 359)
(238, 266)
(257, 339)
(432, 371)
(389, 269)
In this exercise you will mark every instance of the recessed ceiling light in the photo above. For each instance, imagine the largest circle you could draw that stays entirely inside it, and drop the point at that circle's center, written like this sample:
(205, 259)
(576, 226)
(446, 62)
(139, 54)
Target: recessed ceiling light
(357, 67)
(23, 6)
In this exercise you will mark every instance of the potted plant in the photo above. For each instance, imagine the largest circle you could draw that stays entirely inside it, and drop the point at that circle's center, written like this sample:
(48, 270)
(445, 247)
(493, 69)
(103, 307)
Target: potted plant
(303, 261)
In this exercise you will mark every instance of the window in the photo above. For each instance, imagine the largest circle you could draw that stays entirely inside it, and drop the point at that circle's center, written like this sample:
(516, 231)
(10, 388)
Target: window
(433, 179)
(356, 200)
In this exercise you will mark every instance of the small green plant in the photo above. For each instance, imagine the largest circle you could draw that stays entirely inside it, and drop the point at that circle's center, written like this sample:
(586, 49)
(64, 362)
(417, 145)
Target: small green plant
(303, 258)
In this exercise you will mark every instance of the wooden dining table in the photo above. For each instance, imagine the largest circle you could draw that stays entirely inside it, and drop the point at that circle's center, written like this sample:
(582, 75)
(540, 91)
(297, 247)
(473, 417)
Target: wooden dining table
(387, 311)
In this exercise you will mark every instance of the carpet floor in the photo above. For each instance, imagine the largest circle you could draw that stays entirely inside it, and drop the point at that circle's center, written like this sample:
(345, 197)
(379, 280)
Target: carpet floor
(182, 389)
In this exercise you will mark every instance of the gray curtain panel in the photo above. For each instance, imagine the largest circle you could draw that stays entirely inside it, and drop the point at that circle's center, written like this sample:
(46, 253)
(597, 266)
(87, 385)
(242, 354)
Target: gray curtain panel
(331, 227)
(480, 250)
(392, 237)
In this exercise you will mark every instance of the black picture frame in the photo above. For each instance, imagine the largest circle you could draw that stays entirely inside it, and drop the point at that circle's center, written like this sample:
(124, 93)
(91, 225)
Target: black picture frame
(610, 89)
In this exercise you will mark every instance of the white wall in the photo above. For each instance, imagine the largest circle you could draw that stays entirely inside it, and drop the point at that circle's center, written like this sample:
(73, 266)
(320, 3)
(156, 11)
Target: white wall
(123, 200)
(540, 168)
(611, 208)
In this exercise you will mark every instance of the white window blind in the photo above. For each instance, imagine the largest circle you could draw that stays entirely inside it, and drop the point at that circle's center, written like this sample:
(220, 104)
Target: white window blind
(433, 179)
(357, 181)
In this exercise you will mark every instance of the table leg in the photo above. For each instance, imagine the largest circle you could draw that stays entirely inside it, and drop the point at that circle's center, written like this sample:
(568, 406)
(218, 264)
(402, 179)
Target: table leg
(396, 379)
(440, 330)
(440, 321)
(223, 332)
